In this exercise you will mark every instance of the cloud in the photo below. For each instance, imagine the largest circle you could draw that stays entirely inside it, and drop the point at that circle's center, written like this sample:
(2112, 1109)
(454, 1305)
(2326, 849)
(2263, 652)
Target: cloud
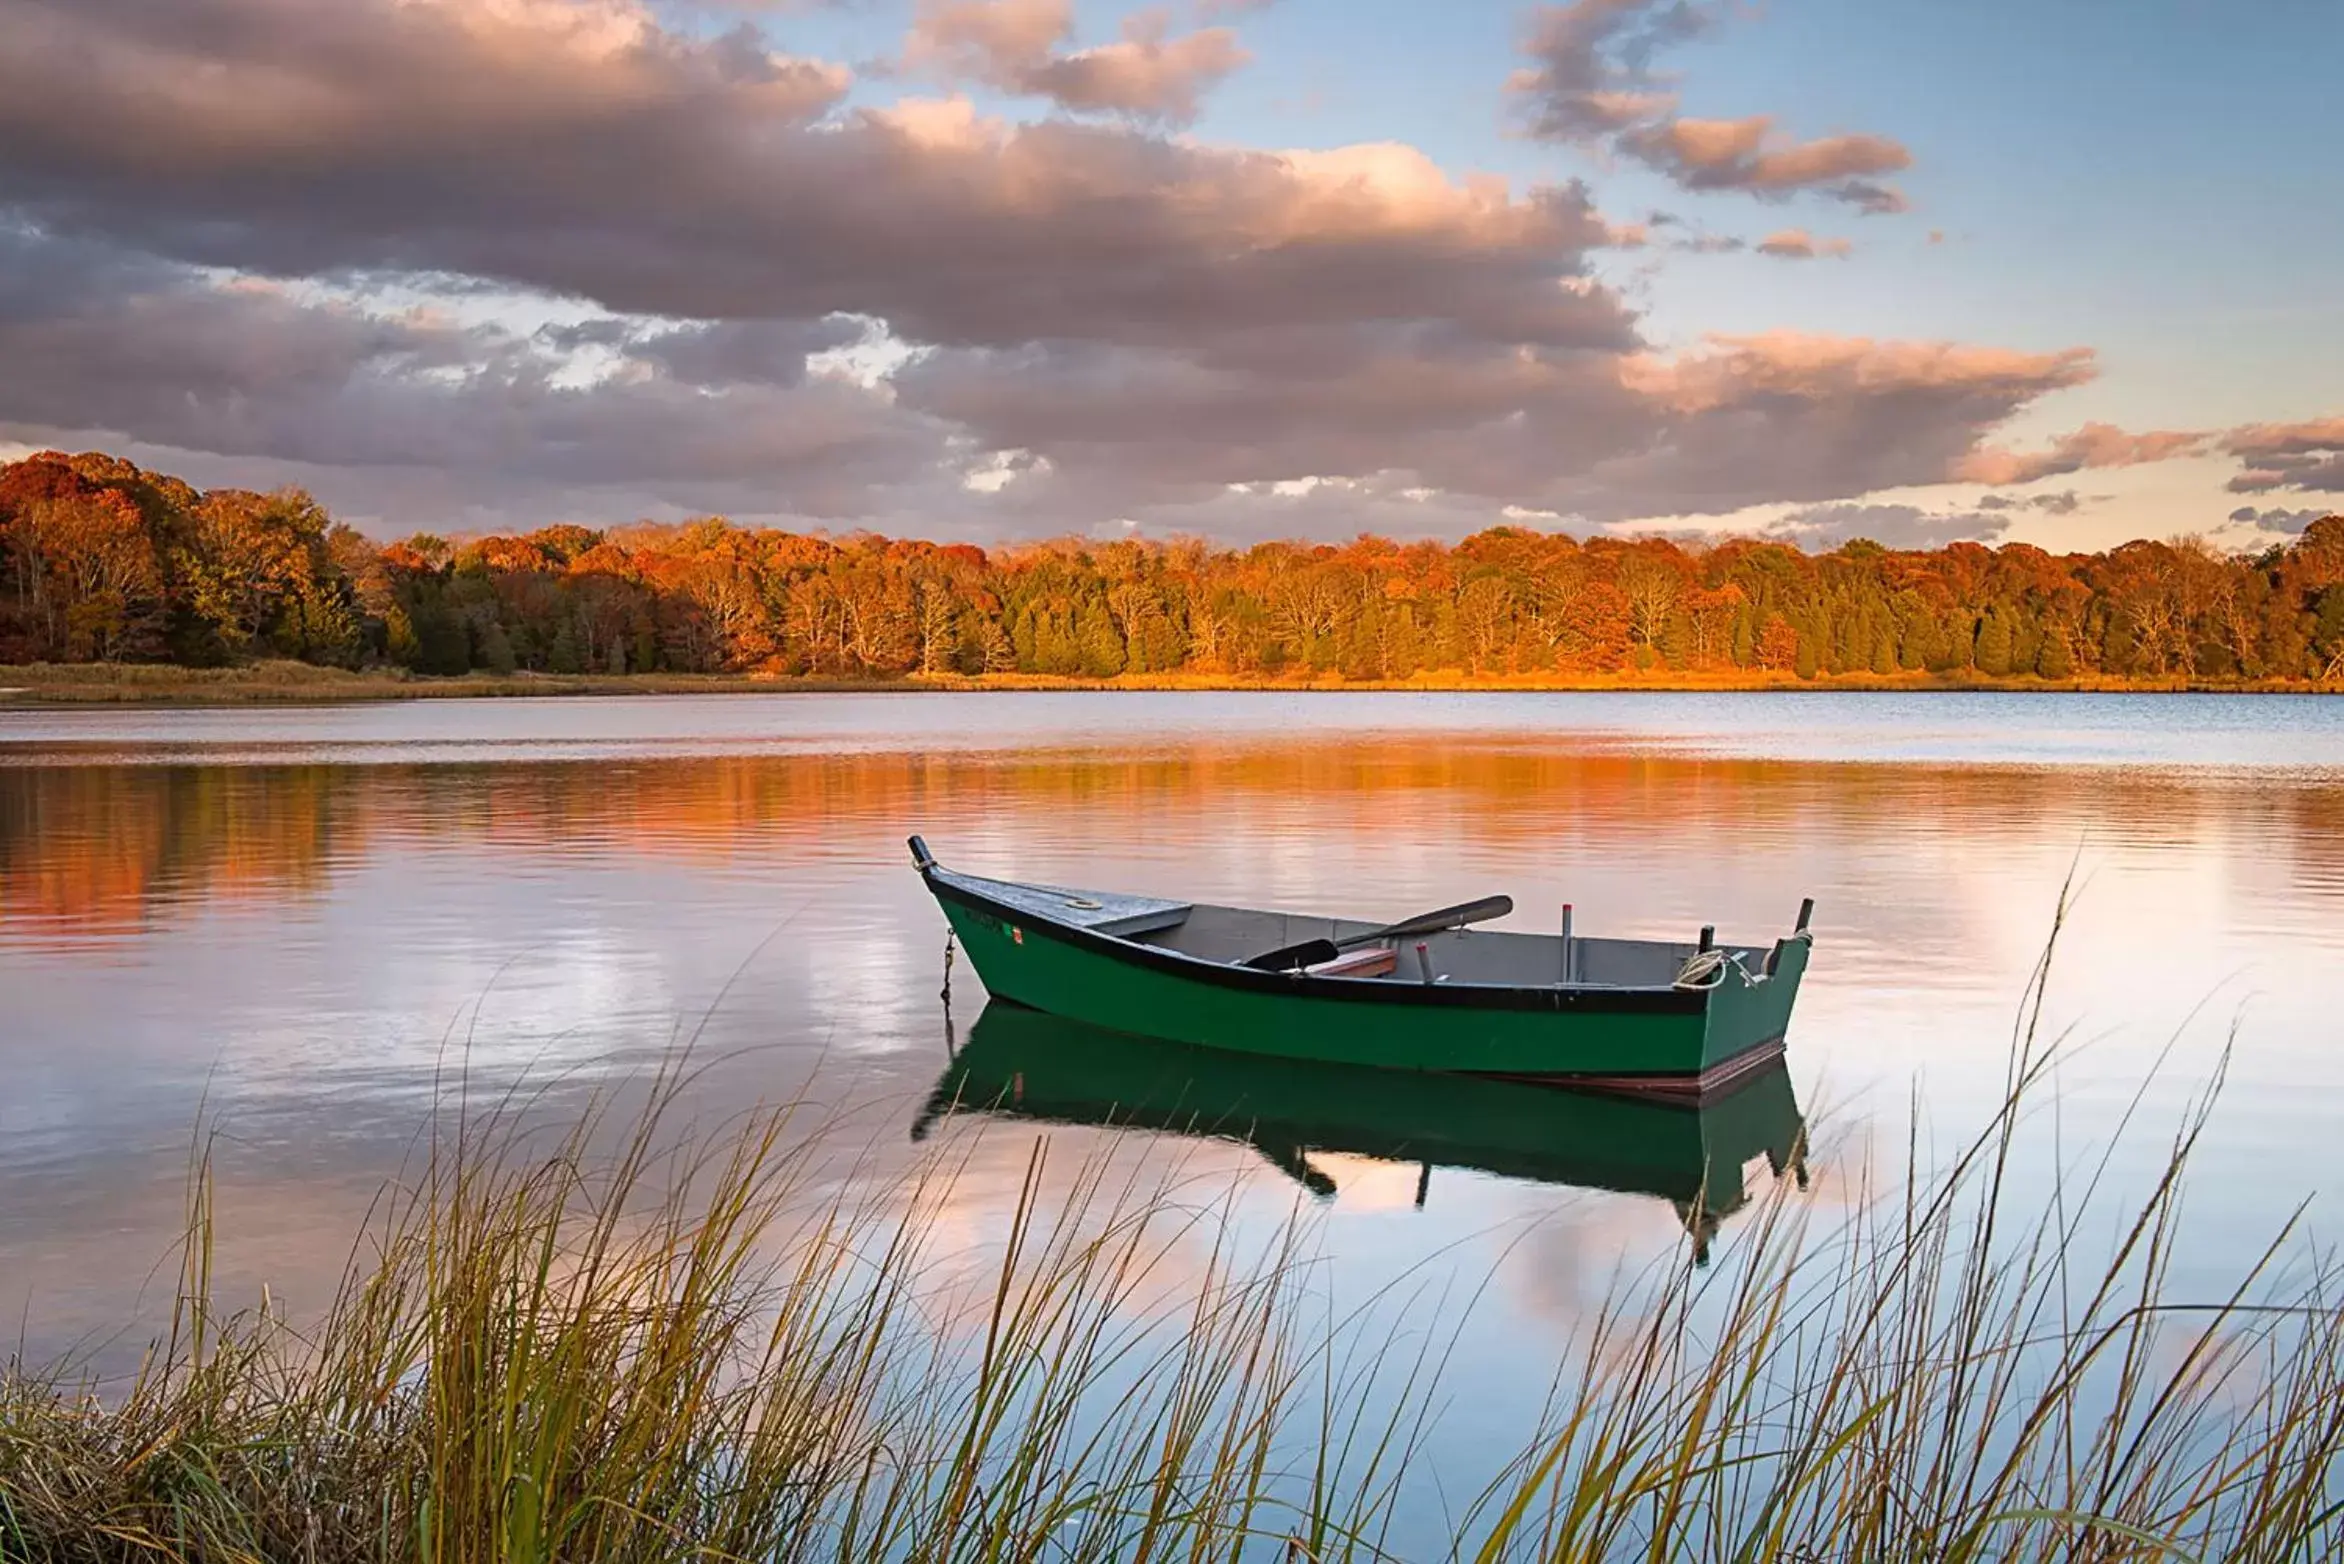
(2285, 523)
(1690, 238)
(2093, 445)
(2308, 455)
(103, 344)
(1419, 429)
(2064, 503)
(1747, 154)
(1803, 417)
(1823, 527)
(1012, 45)
(684, 178)
(770, 301)
(1796, 244)
(743, 352)
(1741, 421)
(1591, 83)
(1591, 72)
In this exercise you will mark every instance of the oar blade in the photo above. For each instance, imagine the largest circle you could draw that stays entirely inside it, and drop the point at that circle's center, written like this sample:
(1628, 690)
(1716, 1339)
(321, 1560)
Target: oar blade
(1288, 958)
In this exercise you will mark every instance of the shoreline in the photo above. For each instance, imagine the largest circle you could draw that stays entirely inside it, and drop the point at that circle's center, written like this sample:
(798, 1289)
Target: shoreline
(298, 684)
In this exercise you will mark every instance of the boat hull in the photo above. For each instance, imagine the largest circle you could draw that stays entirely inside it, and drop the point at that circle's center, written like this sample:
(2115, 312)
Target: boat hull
(1678, 1041)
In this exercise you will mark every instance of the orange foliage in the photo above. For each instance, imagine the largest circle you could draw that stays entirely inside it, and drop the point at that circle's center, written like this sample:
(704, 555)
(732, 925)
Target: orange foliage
(103, 561)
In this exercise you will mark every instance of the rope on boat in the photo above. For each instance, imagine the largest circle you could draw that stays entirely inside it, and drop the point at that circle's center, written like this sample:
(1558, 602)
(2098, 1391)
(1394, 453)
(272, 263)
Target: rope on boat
(1707, 969)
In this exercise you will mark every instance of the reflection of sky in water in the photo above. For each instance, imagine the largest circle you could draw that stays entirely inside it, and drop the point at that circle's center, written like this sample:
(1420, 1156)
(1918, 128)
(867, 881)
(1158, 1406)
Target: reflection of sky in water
(2136, 730)
(301, 946)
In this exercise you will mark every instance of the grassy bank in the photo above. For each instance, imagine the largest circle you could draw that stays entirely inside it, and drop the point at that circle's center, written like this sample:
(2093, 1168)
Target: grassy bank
(295, 682)
(681, 1350)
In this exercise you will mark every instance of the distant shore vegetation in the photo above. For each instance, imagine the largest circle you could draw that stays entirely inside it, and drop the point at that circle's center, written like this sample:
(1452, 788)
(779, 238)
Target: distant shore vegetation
(104, 564)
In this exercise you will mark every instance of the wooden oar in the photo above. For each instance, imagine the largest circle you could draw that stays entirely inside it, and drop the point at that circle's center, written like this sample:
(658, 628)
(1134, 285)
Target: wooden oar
(1311, 952)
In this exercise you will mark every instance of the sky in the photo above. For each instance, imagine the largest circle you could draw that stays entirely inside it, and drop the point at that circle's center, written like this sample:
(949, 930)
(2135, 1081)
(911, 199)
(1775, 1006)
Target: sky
(987, 269)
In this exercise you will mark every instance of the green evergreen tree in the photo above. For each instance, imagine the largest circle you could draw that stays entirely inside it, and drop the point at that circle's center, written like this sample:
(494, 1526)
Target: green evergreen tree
(1024, 642)
(1850, 647)
(443, 646)
(1942, 652)
(1100, 644)
(2327, 628)
(496, 649)
(2120, 645)
(1676, 641)
(561, 655)
(1912, 644)
(2026, 641)
(399, 641)
(1993, 645)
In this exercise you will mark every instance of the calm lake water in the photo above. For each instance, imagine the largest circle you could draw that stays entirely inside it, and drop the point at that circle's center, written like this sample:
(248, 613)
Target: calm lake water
(293, 922)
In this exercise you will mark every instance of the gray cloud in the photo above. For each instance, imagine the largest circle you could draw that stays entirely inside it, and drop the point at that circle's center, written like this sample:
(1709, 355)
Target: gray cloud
(2307, 455)
(128, 348)
(1796, 417)
(1748, 155)
(1014, 46)
(2094, 445)
(1591, 83)
(664, 175)
(745, 352)
(1107, 322)
(1825, 527)
(1743, 421)
(1591, 72)
(2286, 523)
(2064, 503)
(727, 416)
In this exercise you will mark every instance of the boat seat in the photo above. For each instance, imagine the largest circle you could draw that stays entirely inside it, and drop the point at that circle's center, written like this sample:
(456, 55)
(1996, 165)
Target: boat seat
(1154, 921)
(1104, 912)
(1376, 961)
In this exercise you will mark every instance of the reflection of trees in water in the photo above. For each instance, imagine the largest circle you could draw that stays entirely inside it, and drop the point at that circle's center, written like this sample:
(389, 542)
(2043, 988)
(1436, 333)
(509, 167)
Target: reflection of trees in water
(97, 845)
(97, 848)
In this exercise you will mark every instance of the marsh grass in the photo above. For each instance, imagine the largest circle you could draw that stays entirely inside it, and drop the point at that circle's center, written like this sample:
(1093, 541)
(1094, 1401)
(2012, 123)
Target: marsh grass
(684, 1349)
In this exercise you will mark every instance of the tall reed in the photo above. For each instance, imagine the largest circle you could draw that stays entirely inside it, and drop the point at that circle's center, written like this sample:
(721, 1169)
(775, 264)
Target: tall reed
(683, 1350)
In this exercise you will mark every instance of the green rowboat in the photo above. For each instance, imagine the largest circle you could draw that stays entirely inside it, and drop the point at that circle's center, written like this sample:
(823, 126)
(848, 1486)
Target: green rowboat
(1430, 993)
(1022, 1064)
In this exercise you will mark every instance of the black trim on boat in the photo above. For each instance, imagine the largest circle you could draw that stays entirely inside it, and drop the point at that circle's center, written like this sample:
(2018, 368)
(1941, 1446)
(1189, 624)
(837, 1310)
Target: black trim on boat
(1449, 996)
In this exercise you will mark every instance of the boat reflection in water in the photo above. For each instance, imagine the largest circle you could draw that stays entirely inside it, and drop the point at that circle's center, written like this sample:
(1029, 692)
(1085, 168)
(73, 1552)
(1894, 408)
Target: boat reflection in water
(1021, 1063)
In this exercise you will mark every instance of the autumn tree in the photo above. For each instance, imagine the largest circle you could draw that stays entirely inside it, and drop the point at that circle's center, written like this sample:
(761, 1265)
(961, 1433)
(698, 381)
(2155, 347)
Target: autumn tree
(101, 561)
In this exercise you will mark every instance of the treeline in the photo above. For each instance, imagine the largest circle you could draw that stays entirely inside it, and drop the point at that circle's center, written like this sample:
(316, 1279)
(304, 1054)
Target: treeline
(105, 562)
